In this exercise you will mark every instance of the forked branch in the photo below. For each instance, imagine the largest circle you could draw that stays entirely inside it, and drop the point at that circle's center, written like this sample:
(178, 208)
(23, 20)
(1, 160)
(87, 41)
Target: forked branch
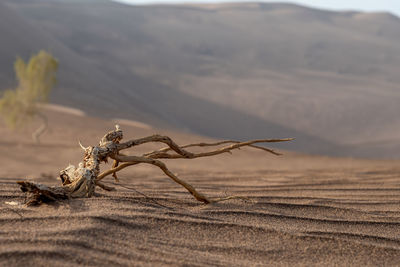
(81, 181)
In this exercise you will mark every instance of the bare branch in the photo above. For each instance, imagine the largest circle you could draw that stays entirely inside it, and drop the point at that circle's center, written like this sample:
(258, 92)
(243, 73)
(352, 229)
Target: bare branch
(163, 155)
(166, 149)
(114, 170)
(155, 138)
(158, 154)
(81, 181)
(163, 167)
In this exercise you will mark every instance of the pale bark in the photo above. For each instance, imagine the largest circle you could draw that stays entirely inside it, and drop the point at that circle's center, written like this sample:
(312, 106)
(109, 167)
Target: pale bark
(81, 181)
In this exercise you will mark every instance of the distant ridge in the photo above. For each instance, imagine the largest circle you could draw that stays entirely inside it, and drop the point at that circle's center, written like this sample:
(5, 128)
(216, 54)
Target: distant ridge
(230, 70)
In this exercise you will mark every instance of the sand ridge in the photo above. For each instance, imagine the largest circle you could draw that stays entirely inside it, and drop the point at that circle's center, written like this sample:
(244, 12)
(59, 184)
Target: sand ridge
(301, 210)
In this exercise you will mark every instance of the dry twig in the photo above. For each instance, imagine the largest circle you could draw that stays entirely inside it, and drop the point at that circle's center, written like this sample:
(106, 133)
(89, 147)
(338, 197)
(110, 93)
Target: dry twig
(81, 181)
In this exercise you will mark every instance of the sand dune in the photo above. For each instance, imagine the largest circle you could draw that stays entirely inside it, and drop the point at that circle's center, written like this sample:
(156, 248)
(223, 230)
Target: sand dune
(299, 221)
(301, 210)
(64, 109)
(297, 210)
(225, 71)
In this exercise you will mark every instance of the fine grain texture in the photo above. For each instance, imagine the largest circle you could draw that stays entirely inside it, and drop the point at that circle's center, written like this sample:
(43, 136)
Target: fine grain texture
(298, 210)
(290, 218)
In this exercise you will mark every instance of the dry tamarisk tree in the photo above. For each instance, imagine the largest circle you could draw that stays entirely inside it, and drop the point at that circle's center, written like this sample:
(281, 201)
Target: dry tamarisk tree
(36, 78)
(81, 181)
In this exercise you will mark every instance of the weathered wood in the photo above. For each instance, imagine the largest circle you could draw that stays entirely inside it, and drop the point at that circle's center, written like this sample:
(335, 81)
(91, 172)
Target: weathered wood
(82, 181)
(38, 193)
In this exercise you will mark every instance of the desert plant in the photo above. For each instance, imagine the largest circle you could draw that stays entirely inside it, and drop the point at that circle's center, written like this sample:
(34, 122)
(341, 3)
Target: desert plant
(35, 79)
(81, 181)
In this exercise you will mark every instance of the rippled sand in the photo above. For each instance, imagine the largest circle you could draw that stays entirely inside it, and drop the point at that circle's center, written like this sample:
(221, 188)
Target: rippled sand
(300, 210)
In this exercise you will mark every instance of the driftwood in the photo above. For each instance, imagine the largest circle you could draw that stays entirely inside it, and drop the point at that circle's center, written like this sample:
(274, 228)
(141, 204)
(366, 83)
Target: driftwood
(81, 181)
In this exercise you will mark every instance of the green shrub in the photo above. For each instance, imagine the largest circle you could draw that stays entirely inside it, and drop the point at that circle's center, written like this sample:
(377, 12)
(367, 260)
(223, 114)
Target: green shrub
(35, 81)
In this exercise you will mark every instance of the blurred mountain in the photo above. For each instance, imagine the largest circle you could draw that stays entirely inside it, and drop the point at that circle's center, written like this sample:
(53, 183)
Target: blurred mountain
(330, 79)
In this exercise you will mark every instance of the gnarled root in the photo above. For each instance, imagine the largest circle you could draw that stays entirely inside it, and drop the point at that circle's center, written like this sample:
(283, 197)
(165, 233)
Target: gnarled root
(81, 181)
(38, 193)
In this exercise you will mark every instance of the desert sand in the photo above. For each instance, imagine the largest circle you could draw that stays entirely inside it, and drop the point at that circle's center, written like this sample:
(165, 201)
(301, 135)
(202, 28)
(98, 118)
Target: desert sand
(301, 210)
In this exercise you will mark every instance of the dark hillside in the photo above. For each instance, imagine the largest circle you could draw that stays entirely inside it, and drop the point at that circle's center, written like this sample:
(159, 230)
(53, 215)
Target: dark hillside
(220, 70)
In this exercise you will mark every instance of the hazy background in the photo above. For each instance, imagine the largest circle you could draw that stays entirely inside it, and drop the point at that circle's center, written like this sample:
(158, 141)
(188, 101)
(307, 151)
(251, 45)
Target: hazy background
(241, 70)
(338, 5)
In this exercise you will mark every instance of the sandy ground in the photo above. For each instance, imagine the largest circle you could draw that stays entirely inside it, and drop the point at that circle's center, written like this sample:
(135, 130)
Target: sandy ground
(301, 210)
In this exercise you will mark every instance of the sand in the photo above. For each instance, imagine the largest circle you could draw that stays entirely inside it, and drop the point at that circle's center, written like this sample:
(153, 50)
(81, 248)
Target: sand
(301, 210)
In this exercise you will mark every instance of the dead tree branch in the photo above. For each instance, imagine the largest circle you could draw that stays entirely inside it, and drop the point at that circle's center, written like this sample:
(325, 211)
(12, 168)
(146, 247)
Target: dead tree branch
(81, 181)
